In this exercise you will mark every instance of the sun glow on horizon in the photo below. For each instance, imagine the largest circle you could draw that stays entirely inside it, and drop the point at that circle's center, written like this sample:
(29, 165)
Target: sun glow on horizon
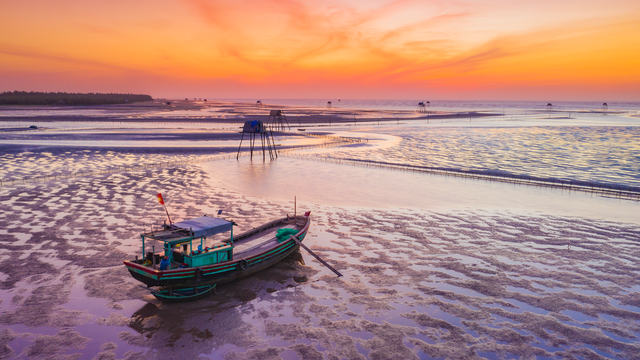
(495, 49)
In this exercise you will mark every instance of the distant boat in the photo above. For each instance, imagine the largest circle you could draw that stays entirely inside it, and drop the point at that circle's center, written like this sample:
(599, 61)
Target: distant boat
(301, 129)
(219, 263)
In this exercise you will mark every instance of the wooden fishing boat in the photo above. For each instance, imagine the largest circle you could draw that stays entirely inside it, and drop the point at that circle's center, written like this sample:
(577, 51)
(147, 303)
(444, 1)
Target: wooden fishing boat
(185, 294)
(215, 261)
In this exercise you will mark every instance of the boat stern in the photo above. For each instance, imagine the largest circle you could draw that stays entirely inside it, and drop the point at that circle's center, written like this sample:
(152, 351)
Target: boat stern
(144, 274)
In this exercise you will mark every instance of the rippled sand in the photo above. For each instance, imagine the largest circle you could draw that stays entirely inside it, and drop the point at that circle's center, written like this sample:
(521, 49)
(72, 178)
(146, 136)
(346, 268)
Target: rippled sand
(431, 275)
(457, 284)
(27, 155)
(602, 154)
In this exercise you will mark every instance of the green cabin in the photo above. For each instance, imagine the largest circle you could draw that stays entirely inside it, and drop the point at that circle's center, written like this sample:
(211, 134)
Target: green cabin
(179, 238)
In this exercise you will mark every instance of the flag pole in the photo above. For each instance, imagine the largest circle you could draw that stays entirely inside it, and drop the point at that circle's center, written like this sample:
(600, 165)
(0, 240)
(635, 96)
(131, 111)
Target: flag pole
(167, 211)
(161, 200)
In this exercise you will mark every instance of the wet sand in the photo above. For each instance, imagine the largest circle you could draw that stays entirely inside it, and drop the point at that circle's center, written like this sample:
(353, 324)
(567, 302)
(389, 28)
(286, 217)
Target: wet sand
(217, 112)
(416, 282)
(463, 278)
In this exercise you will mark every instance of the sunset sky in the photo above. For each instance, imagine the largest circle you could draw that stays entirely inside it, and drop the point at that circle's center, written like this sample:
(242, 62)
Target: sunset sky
(350, 49)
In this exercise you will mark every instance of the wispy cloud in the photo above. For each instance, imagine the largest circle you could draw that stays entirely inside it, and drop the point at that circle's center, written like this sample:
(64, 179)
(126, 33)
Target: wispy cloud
(49, 57)
(304, 42)
(274, 35)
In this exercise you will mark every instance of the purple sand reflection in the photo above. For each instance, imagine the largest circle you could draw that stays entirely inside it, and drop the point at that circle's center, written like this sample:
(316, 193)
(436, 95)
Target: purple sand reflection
(434, 266)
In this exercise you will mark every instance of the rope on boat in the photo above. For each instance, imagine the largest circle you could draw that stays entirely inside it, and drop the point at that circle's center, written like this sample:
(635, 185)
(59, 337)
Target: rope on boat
(316, 256)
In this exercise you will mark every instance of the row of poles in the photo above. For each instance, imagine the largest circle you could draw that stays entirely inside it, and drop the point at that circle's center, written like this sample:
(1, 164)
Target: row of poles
(590, 187)
(618, 191)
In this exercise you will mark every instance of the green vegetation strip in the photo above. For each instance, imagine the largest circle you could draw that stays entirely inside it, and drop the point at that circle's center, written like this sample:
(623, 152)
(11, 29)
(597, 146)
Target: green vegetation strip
(68, 99)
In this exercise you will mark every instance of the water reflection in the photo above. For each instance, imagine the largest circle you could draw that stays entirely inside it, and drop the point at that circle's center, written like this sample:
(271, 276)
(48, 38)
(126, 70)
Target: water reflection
(605, 154)
(345, 185)
(434, 266)
(218, 320)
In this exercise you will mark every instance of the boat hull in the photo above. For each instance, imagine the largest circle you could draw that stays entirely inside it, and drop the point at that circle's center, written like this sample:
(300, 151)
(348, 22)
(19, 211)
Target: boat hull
(217, 274)
(189, 294)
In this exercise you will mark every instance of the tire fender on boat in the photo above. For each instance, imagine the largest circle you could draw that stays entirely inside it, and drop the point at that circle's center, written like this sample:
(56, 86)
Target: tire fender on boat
(199, 274)
(243, 264)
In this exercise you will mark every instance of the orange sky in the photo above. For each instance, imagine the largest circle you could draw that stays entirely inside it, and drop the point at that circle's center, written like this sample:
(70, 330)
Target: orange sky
(406, 49)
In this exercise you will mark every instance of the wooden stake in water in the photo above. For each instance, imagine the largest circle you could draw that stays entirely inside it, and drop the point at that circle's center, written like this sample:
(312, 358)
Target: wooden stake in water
(316, 256)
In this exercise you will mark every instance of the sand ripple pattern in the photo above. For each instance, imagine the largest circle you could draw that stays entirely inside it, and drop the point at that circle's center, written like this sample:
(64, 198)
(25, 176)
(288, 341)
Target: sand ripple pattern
(459, 284)
(20, 164)
(602, 154)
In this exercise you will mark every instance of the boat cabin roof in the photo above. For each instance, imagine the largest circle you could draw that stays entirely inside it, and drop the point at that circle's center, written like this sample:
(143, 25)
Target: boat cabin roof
(194, 228)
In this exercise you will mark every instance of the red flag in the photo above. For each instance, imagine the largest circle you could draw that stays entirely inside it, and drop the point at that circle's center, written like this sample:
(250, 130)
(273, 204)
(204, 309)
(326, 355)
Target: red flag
(160, 199)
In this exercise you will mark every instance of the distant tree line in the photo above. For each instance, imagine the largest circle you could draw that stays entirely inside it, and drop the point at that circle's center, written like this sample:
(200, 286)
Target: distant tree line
(68, 99)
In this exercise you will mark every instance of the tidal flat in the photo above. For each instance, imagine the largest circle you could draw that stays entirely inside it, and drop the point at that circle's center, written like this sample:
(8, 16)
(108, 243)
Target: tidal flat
(434, 267)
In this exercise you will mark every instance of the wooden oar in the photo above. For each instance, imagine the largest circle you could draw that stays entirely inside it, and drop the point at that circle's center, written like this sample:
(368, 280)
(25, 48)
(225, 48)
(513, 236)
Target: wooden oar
(315, 256)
